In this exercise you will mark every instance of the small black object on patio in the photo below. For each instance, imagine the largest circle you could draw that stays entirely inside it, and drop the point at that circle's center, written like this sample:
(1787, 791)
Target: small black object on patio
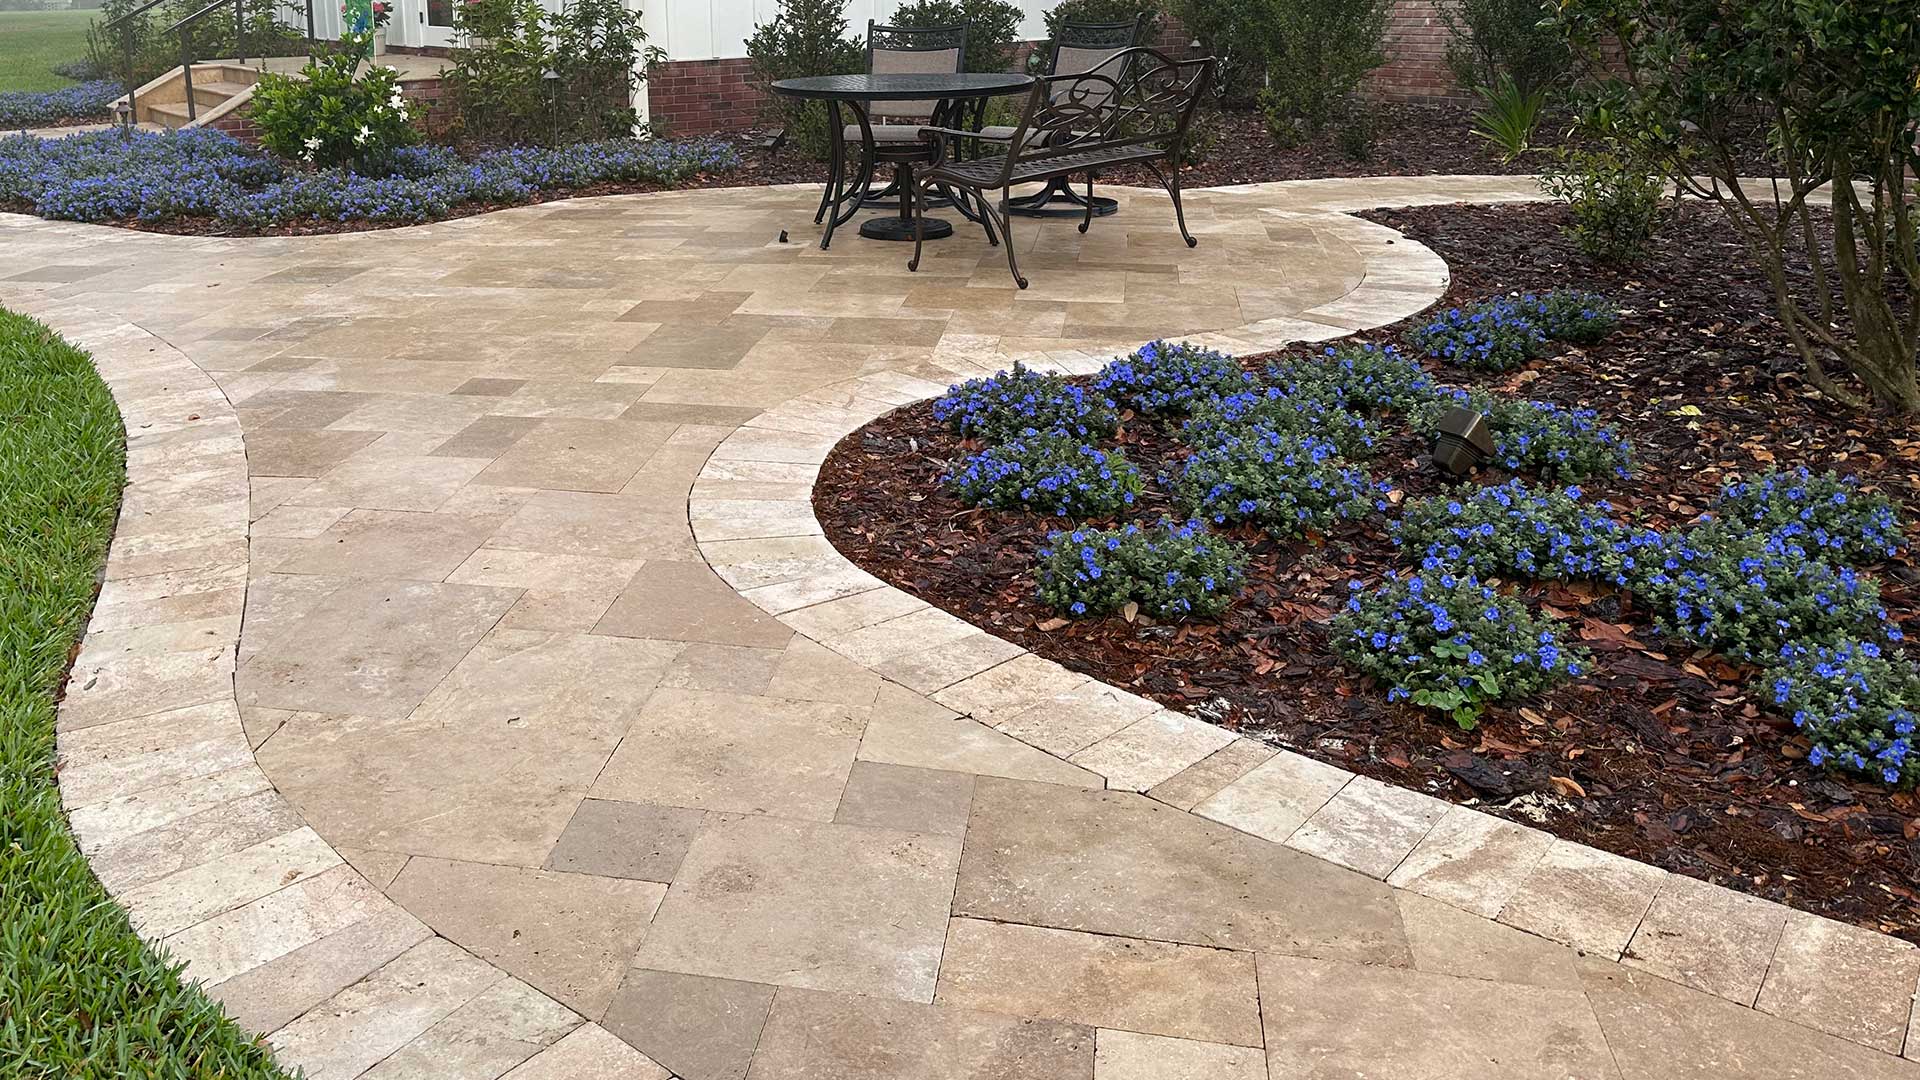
(847, 189)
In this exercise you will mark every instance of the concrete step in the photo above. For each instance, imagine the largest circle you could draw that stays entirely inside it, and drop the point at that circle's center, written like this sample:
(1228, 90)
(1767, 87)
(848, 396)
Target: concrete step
(172, 116)
(215, 91)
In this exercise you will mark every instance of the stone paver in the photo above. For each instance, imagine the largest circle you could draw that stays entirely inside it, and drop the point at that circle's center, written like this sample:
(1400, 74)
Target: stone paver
(518, 510)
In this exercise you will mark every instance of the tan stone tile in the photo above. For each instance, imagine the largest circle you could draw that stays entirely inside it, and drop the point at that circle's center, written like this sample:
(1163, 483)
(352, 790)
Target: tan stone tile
(808, 671)
(1334, 1019)
(1585, 897)
(235, 942)
(1152, 749)
(803, 904)
(1077, 718)
(1007, 689)
(684, 601)
(120, 818)
(1204, 778)
(577, 455)
(268, 997)
(906, 799)
(935, 667)
(301, 451)
(102, 689)
(1658, 1030)
(150, 752)
(701, 1028)
(733, 668)
(487, 437)
(1119, 863)
(378, 867)
(192, 840)
(356, 1028)
(389, 544)
(1369, 826)
(589, 1052)
(389, 482)
(608, 526)
(188, 897)
(735, 753)
(957, 744)
(1842, 980)
(1129, 1055)
(1472, 860)
(625, 840)
(817, 1036)
(570, 935)
(301, 522)
(1276, 797)
(1148, 986)
(1448, 941)
(1708, 938)
(372, 648)
(503, 1025)
(545, 572)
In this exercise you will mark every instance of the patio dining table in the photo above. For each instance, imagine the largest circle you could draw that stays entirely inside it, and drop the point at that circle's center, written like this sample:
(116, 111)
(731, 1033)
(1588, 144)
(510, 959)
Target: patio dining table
(957, 95)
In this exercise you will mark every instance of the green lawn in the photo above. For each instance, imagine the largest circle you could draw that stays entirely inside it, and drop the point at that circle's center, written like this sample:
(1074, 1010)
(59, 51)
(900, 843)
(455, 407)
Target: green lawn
(32, 42)
(80, 995)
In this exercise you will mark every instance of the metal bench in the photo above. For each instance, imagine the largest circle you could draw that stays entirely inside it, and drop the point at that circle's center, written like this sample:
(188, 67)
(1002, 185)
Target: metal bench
(1134, 109)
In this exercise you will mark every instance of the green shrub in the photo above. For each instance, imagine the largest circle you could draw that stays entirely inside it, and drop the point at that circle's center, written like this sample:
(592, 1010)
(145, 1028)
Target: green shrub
(590, 48)
(336, 115)
(1615, 202)
(154, 51)
(1449, 643)
(993, 27)
(1301, 59)
(1854, 703)
(1826, 512)
(1508, 116)
(805, 38)
(1552, 441)
(1305, 411)
(1514, 531)
(1169, 571)
(1097, 12)
(1288, 484)
(1570, 315)
(1491, 40)
(1493, 335)
(1050, 473)
(1024, 401)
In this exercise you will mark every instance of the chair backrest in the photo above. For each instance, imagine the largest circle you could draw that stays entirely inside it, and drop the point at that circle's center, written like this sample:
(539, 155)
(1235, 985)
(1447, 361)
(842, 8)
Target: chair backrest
(1088, 46)
(914, 50)
(1138, 96)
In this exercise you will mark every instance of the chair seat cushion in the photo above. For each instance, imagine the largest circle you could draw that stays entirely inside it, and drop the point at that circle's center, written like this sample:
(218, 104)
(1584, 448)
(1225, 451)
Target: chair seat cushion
(885, 133)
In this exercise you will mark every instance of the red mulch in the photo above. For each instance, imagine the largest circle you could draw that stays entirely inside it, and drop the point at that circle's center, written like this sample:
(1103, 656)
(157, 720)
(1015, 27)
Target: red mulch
(1657, 754)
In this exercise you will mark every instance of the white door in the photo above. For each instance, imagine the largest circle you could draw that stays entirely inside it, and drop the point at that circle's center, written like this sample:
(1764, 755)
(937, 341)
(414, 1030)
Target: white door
(435, 21)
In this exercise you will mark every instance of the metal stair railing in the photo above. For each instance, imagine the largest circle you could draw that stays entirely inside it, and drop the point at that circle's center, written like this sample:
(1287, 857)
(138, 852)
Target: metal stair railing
(125, 22)
(185, 29)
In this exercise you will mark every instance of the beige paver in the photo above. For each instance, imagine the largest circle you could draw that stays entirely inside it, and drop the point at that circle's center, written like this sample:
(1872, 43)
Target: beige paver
(1448, 941)
(1119, 863)
(1708, 938)
(267, 997)
(1130, 1055)
(957, 744)
(907, 799)
(1842, 980)
(1333, 1019)
(1472, 861)
(625, 840)
(571, 935)
(820, 1036)
(796, 903)
(588, 1052)
(1151, 749)
(1369, 826)
(701, 1028)
(1275, 797)
(503, 1025)
(1149, 986)
(1587, 898)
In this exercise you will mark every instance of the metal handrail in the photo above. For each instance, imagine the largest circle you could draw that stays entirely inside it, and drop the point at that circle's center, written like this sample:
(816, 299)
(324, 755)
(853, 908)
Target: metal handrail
(185, 29)
(126, 46)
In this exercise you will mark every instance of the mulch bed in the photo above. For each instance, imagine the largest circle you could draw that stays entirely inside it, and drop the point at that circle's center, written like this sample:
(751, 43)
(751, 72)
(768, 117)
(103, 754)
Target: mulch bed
(1658, 753)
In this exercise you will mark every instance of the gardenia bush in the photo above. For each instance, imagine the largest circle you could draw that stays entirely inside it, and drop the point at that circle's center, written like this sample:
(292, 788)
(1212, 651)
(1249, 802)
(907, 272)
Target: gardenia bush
(1447, 642)
(199, 173)
(334, 115)
(1828, 513)
(1512, 530)
(92, 100)
(1855, 705)
(1050, 473)
(1011, 403)
(1287, 483)
(1167, 379)
(1168, 570)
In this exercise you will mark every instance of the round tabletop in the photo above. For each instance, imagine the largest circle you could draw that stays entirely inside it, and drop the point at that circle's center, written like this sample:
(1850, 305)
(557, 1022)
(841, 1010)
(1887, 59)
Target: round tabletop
(901, 87)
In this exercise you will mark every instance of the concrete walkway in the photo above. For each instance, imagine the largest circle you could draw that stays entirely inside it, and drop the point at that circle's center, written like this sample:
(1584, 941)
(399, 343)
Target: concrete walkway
(417, 719)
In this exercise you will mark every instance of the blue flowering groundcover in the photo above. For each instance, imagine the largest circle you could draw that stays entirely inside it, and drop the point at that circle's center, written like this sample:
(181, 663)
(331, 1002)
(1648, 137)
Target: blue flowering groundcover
(39, 108)
(166, 177)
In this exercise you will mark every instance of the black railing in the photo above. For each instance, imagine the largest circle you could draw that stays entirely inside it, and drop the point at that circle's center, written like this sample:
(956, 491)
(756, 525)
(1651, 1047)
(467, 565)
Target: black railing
(129, 28)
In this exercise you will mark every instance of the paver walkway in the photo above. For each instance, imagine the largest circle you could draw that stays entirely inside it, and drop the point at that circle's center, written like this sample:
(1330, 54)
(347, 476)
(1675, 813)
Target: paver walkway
(427, 734)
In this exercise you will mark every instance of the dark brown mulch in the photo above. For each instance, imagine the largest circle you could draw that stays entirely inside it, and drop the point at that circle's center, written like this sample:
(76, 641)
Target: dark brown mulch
(1658, 754)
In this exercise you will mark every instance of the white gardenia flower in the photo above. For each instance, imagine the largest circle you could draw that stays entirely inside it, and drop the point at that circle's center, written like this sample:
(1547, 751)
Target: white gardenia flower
(313, 144)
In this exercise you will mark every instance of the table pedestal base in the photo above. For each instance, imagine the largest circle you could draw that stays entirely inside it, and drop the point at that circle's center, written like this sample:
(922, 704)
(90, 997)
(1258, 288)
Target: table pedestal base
(895, 228)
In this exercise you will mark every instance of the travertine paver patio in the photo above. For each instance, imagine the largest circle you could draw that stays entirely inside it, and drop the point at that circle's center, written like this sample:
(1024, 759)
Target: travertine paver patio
(443, 738)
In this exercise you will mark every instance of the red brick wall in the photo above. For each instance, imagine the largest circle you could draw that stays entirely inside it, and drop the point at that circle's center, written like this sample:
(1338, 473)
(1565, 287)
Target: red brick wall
(1416, 47)
(692, 97)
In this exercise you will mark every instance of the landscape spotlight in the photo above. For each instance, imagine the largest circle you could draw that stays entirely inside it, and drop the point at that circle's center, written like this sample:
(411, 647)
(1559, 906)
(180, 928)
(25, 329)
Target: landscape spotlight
(1464, 441)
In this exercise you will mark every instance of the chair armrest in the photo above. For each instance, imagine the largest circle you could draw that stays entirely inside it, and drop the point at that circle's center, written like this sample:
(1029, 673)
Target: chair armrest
(941, 134)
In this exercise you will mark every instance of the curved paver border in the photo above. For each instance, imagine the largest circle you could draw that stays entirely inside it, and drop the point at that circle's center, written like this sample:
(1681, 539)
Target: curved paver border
(1830, 976)
(185, 830)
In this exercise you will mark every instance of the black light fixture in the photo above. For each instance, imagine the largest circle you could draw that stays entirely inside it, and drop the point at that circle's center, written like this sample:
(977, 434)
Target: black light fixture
(1464, 441)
